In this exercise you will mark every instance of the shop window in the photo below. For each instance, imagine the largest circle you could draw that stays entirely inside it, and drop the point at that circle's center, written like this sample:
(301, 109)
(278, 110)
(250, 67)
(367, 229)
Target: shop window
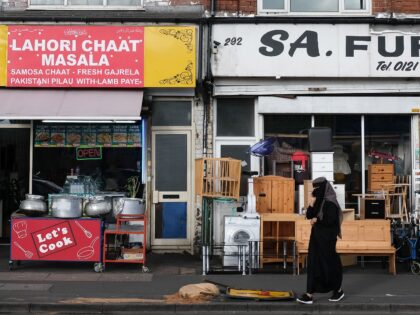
(320, 6)
(235, 117)
(346, 134)
(56, 155)
(289, 131)
(239, 152)
(171, 113)
(87, 3)
(388, 142)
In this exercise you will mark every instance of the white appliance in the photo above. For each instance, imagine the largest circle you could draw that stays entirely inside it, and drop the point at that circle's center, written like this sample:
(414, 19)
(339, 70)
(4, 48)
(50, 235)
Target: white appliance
(239, 230)
(220, 210)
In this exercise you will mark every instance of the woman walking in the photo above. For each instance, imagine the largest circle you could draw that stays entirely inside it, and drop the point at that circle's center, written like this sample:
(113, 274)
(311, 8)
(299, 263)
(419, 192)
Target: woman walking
(324, 272)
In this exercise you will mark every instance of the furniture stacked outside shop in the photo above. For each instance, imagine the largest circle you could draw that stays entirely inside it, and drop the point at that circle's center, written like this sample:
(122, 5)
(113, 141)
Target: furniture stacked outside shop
(215, 179)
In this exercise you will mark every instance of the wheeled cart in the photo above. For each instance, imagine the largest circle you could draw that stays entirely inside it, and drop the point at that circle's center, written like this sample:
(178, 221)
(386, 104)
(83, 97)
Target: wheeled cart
(55, 239)
(118, 245)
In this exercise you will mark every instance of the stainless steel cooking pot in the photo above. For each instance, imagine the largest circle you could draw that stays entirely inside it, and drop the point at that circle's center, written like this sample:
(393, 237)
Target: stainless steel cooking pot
(97, 206)
(66, 206)
(34, 197)
(33, 207)
(128, 206)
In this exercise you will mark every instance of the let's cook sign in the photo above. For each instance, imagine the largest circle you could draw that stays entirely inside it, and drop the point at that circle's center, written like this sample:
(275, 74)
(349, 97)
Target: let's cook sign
(316, 50)
(55, 239)
(97, 56)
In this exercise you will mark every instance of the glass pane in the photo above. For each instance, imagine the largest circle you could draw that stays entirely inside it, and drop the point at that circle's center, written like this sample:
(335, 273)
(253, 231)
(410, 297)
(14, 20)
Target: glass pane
(14, 173)
(235, 117)
(85, 2)
(124, 2)
(388, 142)
(171, 220)
(347, 152)
(171, 162)
(289, 130)
(314, 6)
(171, 113)
(355, 4)
(47, 2)
(273, 4)
(238, 152)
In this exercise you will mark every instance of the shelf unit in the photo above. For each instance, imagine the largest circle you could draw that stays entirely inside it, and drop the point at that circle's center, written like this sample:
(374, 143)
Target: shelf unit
(126, 225)
(277, 237)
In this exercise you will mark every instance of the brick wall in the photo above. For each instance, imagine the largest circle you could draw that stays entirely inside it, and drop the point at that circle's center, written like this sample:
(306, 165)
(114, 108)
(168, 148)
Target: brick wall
(237, 6)
(396, 6)
(13, 4)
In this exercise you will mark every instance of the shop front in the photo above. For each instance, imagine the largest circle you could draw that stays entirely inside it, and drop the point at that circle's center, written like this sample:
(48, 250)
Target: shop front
(74, 123)
(359, 82)
(320, 75)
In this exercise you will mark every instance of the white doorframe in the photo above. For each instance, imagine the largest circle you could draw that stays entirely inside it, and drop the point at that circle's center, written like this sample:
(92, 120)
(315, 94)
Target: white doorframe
(184, 196)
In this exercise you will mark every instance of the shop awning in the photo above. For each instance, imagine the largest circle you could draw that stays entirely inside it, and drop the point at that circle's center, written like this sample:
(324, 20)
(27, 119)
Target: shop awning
(36, 104)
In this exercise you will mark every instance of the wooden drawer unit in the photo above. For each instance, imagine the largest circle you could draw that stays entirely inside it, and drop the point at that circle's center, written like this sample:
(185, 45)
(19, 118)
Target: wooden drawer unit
(274, 194)
(380, 174)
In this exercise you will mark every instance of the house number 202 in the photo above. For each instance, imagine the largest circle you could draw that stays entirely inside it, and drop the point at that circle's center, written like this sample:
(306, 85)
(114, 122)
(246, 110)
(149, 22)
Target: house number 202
(233, 41)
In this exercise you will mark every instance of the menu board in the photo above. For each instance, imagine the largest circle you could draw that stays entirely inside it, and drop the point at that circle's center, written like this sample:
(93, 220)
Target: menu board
(133, 136)
(118, 135)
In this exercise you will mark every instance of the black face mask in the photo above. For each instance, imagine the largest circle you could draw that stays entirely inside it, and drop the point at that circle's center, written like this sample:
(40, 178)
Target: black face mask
(317, 192)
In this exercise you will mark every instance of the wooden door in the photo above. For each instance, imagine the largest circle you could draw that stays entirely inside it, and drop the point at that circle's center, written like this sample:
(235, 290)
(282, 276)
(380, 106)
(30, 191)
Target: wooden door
(263, 191)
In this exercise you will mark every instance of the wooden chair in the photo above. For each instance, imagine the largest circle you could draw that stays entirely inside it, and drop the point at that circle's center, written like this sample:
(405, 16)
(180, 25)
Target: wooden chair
(395, 196)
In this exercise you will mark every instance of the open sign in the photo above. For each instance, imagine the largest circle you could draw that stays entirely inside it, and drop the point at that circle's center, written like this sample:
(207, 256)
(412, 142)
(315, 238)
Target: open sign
(88, 153)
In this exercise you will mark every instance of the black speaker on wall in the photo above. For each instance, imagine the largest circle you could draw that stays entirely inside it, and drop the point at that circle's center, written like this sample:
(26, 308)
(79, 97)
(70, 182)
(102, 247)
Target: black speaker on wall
(374, 209)
(320, 139)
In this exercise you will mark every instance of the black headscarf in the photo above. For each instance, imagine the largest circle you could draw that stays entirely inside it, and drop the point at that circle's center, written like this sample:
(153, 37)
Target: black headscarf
(323, 191)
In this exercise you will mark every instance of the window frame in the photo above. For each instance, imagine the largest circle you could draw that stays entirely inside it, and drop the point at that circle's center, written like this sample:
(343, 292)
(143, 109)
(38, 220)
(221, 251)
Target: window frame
(66, 6)
(341, 10)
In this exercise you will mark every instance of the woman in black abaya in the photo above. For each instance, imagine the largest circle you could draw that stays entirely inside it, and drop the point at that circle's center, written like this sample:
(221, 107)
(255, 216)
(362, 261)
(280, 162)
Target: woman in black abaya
(324, 272)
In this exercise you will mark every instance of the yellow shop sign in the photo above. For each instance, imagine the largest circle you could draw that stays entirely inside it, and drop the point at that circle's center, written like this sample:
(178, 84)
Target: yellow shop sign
(3, 55)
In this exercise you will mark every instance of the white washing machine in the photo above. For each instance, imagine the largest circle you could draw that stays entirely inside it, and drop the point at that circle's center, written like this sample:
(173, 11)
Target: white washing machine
(239, 230)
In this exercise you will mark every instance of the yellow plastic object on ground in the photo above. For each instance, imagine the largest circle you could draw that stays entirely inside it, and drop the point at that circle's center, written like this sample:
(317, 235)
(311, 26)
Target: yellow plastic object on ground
(259, 294)
(252, 294)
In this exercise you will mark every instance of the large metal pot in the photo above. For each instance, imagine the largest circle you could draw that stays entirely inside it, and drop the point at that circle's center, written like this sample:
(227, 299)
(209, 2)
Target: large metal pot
(128, 206)
(66, 206)
(33, 206)
(97, 206)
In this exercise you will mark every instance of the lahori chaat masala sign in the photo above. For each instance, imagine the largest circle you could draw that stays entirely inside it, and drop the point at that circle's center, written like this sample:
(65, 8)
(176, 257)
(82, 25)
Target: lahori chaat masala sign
(97, 56)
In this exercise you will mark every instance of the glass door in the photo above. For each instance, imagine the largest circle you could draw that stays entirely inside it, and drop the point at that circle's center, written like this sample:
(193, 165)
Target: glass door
(171, 155)
(14, 171)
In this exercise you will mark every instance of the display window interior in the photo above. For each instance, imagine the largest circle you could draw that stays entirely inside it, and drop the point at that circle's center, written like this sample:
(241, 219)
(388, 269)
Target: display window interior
(387, 141)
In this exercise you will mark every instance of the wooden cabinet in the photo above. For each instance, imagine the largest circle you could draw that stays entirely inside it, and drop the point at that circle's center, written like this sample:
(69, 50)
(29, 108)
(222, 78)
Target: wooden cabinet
(380, 174)
(274, 194)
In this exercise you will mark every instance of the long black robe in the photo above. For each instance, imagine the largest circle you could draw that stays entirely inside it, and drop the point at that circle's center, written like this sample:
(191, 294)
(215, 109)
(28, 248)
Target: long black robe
(325, 272)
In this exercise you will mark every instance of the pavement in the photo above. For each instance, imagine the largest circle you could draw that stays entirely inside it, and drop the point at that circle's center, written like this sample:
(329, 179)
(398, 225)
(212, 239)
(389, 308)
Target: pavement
(74, 288)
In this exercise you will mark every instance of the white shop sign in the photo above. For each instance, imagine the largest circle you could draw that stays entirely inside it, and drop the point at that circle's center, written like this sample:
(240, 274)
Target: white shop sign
(315, 50)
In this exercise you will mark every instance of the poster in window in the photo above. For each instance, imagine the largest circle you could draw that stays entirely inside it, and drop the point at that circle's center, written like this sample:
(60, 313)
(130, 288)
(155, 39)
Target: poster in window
(58, 136)
(89, 135)
(42, 135)
(104, 135)
(74, 136)
(133, 136)
(119, 135)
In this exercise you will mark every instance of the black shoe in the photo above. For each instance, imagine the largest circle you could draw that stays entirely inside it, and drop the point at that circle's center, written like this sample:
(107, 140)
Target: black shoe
(337, 296)
(305, 299)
